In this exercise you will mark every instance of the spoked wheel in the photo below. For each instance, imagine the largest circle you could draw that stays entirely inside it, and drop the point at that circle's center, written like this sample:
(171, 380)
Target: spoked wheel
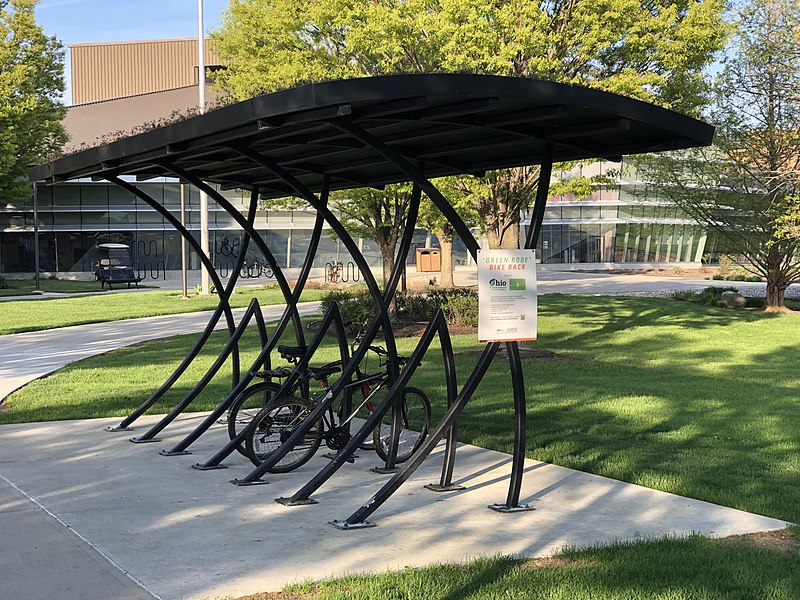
(273, 425)
(246, 406)
(414, 427)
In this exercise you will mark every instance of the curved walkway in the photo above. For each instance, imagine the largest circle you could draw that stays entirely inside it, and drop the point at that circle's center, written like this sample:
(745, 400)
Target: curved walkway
(28, 356)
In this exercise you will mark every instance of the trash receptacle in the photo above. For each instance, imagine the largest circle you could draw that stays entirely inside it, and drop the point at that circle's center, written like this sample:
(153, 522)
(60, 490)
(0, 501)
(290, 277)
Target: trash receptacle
(428, 260)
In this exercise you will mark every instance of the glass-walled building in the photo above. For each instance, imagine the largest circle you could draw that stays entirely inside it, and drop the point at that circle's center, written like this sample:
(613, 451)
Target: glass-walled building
(622, 223)
(75, 217)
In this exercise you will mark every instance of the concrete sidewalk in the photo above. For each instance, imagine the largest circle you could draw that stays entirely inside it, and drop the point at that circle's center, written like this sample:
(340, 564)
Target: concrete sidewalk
(186, 534)
(28, 356)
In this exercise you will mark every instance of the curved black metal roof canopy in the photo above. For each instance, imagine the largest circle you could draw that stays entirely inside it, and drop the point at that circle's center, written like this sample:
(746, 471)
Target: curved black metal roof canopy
(450, 123)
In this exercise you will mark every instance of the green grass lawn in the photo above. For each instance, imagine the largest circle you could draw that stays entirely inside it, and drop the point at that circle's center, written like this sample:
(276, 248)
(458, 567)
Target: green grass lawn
(19, 287)
(689, 399)
(689, 569)
(32, 315)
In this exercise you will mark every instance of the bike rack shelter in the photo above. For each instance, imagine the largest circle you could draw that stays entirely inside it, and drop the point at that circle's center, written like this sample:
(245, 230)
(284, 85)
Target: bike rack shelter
(310, 140)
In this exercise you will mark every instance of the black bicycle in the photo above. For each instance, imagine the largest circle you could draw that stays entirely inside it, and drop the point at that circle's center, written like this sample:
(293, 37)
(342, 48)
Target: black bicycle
(247, 404)
(276, 422)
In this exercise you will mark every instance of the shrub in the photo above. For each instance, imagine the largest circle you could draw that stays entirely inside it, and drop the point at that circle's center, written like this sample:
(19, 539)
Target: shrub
(718, 277)
(710, 295)
(355, 305)
(459, 305)
(415, 306)
(3, 283)
(462, 310)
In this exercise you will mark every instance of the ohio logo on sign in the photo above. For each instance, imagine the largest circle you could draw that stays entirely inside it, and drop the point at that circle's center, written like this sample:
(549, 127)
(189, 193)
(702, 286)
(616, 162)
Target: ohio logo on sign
(498, 283)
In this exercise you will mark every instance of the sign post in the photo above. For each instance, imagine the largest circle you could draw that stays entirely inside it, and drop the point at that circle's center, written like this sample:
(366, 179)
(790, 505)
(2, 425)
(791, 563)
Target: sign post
(506, 295)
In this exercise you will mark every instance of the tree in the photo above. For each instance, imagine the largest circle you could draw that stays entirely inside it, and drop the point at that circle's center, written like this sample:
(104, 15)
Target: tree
(649, 49)
(746, 186)
(432, 219)
(31, 76)
(378, 215)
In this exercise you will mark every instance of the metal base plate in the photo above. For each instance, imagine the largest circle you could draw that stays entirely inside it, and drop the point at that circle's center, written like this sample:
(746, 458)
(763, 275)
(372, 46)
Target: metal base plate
(173, 453)
(436, 487)
(244, 483)
(289, 502)
(137, 440)
(504, 508)
(331, 456)
(384, 470)
(346, 525)
(116, 428)
(202, 467)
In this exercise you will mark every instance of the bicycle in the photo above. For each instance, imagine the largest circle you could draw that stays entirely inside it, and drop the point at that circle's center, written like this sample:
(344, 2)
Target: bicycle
(255, 269)
(247, 404)
(275, 423)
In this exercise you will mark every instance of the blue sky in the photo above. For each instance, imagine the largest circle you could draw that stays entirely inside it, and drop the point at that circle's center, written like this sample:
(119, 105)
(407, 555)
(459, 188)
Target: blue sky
(81, 21)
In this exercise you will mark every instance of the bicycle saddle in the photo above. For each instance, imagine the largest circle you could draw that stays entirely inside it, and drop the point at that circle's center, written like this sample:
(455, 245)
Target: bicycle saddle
(323, 372)
(291, 351)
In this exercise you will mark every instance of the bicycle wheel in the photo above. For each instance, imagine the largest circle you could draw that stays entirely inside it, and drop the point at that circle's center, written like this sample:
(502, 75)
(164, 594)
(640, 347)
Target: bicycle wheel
(414, 428)
(273, 425)
(246, 406)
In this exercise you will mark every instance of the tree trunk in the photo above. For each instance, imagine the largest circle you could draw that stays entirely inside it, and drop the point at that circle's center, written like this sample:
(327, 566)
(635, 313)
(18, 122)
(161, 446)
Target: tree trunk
(775, 294)
(510, 240)
(387, 254)
(446, 253)
(776, 285)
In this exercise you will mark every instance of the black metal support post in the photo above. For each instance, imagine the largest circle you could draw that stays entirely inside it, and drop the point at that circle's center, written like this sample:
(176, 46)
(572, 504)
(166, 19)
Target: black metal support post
(231, 347)
(267, 346)
(436, 325)
(358, 518)
(222, 308)
(381, 319)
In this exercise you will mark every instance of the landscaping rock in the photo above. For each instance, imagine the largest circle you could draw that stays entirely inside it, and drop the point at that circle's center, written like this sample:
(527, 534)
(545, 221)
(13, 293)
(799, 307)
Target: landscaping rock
(732, 299)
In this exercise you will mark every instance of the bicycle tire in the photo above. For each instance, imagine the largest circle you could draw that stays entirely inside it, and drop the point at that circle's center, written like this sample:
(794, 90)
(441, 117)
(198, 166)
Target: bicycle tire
(273, 425)
(246, 406)
(416, 421)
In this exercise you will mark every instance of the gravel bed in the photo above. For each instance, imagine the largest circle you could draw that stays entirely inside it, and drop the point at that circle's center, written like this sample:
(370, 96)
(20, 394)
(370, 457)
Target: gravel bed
(746, 291)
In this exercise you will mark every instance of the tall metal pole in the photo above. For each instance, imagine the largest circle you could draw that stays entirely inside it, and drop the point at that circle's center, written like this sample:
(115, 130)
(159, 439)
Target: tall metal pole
(184, 266)
(37, 289)
(201, 86)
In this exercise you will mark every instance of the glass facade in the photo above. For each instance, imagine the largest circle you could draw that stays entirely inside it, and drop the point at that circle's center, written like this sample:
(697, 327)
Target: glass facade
(623, 223)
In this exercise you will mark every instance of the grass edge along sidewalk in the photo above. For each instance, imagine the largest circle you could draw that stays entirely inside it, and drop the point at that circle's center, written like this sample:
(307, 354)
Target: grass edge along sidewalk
(19, 316)
(756, 566)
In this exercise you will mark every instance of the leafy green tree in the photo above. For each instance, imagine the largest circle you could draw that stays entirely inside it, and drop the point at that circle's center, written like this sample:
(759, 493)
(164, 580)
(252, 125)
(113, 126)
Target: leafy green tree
(649, 49)
(746, 186)
(31, 76)
(433, 220)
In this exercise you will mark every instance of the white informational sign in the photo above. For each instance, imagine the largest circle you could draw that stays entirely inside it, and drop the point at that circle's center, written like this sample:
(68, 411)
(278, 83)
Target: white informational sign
(506, 295)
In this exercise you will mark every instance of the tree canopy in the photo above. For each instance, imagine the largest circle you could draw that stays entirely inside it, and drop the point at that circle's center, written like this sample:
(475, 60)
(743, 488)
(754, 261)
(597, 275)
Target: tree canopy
(31, 76)
(746, 186)
(653, 50)
(649, 49)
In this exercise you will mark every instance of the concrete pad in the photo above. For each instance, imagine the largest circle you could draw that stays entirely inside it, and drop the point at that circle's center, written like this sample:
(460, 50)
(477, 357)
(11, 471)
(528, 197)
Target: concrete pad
(188, 534)
(41, 558)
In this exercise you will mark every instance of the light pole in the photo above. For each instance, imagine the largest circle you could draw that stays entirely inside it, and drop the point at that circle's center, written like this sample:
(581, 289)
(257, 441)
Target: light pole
(201, 86)
(37, 289)
(184, 266)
